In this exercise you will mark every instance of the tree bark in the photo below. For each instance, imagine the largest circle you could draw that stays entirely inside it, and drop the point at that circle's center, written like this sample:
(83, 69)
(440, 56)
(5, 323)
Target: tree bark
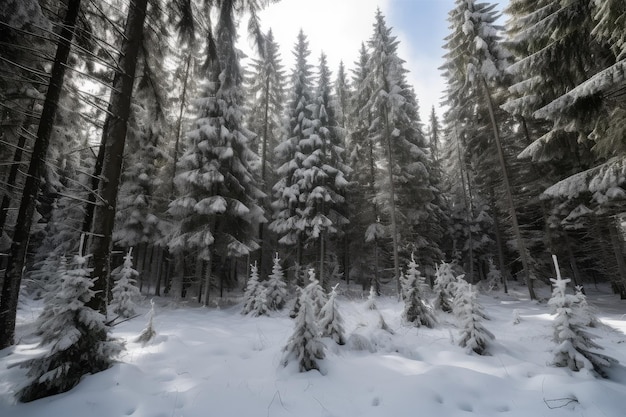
(114, 138)
(618, 251)
(392, 198)
(17, 254)
(521, 247)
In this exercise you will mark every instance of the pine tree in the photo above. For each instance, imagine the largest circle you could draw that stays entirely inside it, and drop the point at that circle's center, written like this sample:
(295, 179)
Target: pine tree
(276, 287)
(255, 296)
(474, 337)
(125, 291)
(404, 190)
(575, 347)
(330, 321)
(314, 293)
(76, 335)
(371, 299)
(286, 202)
(415, 309)
(444, 280)
(304, 346)
(217, 212)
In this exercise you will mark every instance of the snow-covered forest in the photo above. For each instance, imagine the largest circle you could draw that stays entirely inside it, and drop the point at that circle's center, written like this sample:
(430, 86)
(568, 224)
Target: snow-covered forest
(151, 174)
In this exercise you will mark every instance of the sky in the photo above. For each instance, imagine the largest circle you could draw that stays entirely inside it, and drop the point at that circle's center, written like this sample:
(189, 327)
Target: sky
(338, 27)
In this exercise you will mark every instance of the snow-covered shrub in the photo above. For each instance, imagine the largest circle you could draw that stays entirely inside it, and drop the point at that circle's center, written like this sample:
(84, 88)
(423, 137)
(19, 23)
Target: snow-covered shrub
(293, 313)
(304, 346)
(473, 335)
(444, 280)
(125, 292)
(415, 309)
(330, 321)
(575, 347)
(255, 297)
(371, 299)
(75, 335)
(276, 287)
(494, 277)
(148, 333)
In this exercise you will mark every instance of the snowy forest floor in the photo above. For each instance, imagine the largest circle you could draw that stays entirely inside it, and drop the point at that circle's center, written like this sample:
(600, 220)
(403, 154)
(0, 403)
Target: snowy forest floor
(216, 362)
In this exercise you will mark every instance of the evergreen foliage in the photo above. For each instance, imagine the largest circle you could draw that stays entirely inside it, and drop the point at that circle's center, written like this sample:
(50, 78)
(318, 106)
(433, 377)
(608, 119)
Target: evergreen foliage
(330, 322)
(474, 337)
(276, 288)
(75, 336)
(255, 296)
(416, 311)
(124, 291)
(304, 346)
(315, 294)
(575, 347)
(444, 280)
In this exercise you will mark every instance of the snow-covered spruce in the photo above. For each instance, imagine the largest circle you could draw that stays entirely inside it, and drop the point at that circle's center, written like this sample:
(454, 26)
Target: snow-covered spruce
(587, 313)
(125, 292)
(330, 321)
(276, 287)
(315, 293)
(76, 336)
(255, 296)
(415, 309)
(494, 277)
(474, 337)
(444, 280)
(304, 346)
(575, 347)
(148, 333)
(371, 299)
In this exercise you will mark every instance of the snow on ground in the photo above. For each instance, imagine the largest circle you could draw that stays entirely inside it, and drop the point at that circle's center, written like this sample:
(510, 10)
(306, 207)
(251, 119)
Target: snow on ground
(216, 362)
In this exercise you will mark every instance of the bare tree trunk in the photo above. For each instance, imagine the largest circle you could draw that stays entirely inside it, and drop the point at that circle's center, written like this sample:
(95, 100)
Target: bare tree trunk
(618, 250)
(521, 247)
(469, 208)
(11, 181)
(114, 138)
(17, 254)
(207, 282)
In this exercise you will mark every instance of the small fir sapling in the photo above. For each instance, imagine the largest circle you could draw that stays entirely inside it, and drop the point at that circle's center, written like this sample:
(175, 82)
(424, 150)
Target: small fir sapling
(444, 280)
(330, 321)
(315, 293)
(371, 299)
(494, 277)
(254, 293)
(76, 336)
(517, 319)
(473, 335)
(276, 287)
(415, 309)
(575, 346)
(125, 292)
(587, 313)
(304, 345)
(148, 333)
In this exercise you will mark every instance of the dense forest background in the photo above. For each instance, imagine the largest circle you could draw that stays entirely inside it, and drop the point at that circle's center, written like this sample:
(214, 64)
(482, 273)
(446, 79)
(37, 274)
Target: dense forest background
(134, 125)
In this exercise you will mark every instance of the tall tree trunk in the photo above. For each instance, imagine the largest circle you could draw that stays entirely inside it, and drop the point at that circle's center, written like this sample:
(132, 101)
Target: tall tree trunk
(469, 207)
(17, 255)
(499, 244)
(392, 198)
(521, 246)
(618, 251)
(114, 138)
(11, 181)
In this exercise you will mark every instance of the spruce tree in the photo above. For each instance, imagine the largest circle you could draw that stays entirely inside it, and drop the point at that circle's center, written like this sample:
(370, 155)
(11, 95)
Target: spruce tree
(276, 287)
(125, 291)
(76, 336)
(444, 280)
(330, 321)
(304, 346)
(217, 212)
(286, 203)
(255, 296)
(575, 347)
(474, 337)
(416, 311)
